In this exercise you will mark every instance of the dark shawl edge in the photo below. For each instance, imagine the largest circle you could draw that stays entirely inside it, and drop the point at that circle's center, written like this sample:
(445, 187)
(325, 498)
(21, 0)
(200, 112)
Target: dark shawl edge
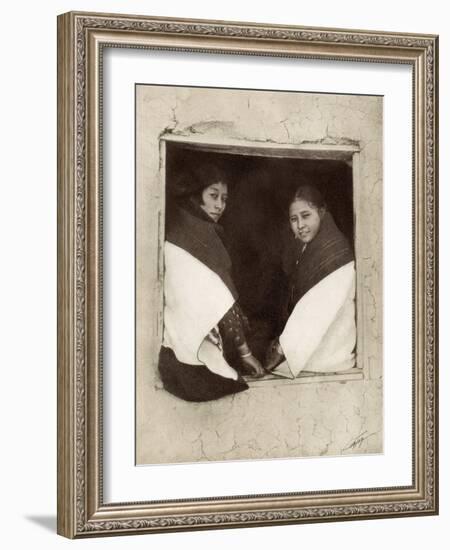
(194, 382)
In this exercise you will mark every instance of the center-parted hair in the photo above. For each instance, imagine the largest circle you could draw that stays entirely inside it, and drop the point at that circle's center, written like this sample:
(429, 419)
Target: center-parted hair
(309, 194)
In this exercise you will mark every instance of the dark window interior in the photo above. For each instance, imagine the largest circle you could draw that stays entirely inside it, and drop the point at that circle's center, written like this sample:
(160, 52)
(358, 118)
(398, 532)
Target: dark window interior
(256, 220)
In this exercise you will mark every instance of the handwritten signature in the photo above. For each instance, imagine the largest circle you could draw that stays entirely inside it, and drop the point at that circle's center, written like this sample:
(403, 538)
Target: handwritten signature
(358, 441)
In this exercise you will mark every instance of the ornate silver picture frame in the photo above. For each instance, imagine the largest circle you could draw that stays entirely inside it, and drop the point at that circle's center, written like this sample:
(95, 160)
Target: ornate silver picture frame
(174, 127)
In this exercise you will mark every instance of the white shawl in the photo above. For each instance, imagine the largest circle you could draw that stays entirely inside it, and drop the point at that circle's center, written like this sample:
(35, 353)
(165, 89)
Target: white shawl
(320, 334)
(195, 300)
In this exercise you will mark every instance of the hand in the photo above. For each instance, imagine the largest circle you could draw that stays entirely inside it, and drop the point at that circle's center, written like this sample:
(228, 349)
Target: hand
(274, 356)
(252, 366)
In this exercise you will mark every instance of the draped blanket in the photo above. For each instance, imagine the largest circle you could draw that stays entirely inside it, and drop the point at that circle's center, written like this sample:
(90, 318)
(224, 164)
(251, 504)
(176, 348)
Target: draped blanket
(320, 332)
(198, 291)
(195, 299)
(192, 230)
(307, 266)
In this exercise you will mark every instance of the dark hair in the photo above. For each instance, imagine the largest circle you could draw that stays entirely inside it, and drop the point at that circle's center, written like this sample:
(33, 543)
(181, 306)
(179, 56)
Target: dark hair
(310, 194)
(192, 181)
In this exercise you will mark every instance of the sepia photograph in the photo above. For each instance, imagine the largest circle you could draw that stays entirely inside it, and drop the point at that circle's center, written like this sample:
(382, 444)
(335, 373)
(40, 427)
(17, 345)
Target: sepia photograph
(247, 275)
(259, 299)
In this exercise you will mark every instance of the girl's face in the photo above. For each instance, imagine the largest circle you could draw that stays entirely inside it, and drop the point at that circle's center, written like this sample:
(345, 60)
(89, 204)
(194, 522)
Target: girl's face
(214, 200)
(305, 220)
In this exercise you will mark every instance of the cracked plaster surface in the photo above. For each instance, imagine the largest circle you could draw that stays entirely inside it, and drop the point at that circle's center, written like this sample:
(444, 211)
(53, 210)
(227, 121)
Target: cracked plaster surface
(291, 421)
(317, 419)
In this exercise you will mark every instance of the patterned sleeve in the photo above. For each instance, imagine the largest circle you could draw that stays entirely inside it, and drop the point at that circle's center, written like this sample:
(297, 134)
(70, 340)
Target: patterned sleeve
(233, 326)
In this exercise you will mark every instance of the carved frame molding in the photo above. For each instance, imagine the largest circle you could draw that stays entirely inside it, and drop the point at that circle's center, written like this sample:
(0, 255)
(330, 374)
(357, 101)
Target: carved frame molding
(81, 37)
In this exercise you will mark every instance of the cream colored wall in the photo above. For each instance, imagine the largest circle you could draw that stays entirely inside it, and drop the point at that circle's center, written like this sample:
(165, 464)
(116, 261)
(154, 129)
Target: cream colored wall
(284, 420)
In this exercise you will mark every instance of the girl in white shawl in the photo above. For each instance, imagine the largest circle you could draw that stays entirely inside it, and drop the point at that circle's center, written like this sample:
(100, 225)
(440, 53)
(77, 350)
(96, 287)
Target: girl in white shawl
(320, 332)
(204, 351)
